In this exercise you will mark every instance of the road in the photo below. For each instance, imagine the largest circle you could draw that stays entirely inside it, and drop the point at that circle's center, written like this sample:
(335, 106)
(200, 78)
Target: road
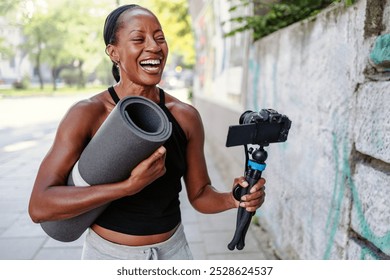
(23, 121)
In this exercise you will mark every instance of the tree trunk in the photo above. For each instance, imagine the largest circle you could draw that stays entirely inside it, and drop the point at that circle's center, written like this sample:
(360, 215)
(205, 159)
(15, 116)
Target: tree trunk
(38, 65)
(81, 82)
(54, 75)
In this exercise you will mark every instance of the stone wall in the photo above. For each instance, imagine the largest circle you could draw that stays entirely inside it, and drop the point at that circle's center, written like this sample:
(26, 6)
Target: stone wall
(328, 186)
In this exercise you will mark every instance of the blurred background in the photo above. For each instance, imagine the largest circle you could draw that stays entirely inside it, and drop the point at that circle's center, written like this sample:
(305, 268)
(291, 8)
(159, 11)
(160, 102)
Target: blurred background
(323, 63)
(55, 45)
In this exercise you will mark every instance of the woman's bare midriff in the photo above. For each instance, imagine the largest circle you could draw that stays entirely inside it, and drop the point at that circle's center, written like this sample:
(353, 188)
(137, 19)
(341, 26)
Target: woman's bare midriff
(131, 240)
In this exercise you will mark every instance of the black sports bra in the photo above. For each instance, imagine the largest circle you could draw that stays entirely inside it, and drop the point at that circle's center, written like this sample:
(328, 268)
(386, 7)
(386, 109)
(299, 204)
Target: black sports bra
(155, 209)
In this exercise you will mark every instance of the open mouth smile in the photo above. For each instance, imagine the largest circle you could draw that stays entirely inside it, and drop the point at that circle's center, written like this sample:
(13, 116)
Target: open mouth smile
(151, 65)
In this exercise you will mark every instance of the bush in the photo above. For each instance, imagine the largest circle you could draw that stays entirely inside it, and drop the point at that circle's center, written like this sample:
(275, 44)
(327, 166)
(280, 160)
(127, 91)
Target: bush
(24, 83)
(70, 76)
(274, 15)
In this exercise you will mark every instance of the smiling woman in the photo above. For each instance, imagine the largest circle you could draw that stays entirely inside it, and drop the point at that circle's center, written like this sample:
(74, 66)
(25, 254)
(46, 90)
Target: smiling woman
(138, 48)
(143, 219)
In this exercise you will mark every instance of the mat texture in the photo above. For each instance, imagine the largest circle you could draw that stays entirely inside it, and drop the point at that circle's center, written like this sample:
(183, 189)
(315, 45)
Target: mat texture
(131, 133)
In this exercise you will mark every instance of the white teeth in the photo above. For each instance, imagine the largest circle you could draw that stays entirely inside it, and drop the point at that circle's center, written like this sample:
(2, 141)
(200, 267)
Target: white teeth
(151, 61)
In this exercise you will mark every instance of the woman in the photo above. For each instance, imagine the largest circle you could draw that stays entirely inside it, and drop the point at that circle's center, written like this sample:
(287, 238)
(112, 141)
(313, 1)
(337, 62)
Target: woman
(128, 228)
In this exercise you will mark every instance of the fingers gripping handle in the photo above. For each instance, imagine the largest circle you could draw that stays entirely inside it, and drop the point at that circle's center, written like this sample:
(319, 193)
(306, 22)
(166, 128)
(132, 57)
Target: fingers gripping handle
(243, 216)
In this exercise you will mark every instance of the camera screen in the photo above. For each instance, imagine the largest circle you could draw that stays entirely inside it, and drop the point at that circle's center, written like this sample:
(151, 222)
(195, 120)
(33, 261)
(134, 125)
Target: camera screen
(256, 133)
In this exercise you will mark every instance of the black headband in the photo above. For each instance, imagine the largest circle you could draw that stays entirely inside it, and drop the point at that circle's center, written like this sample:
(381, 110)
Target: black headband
(111, 22)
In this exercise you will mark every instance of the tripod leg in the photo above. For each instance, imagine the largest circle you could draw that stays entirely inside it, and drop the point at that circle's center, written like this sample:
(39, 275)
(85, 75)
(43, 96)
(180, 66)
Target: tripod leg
(245, 219)
(241, 243)
(240, 222)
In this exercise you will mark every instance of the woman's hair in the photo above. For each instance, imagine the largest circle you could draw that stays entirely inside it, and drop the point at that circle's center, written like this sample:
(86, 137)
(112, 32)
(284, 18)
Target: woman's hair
(111, 26)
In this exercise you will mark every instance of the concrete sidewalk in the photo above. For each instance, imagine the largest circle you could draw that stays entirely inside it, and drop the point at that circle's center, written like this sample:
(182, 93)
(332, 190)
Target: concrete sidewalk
(21, 239)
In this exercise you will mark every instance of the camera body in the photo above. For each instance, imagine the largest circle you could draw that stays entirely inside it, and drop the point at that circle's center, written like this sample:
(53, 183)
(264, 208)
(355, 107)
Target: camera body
(261, 128)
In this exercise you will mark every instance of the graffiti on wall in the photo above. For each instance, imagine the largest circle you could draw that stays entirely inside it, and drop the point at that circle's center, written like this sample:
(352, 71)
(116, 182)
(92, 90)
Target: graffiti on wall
(263, 92)
(342, 183)
(257, 94)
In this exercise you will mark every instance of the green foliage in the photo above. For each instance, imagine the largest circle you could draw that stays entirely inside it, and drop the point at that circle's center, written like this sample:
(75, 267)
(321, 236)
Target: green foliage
(7, 8)
(274, 15)
(62, 35)
(67, 36)
(7, 5)
(5, 51)
(24, 83)
(176, 23)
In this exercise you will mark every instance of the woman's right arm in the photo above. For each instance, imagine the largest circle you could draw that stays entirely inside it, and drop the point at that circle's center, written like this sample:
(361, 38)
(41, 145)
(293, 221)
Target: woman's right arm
(51, 199)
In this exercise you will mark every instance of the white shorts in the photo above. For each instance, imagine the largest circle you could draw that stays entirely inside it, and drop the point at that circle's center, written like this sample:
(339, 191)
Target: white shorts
(175, 248)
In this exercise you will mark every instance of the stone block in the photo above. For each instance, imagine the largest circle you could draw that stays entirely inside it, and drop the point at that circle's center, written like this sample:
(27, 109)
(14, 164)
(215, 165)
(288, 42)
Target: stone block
(371, 210)
(356, 252)
(372, 124)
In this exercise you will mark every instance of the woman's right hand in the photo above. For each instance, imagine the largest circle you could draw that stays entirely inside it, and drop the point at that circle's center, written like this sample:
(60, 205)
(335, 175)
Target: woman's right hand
(147, 171)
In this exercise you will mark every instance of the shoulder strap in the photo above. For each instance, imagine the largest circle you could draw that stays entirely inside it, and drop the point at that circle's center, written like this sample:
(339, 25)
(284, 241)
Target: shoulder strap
(113, 94)
(175, 124)
(162, 97)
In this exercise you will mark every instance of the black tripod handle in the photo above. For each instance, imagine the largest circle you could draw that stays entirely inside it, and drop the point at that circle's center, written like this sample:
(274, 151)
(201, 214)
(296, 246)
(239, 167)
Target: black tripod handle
(243, 216)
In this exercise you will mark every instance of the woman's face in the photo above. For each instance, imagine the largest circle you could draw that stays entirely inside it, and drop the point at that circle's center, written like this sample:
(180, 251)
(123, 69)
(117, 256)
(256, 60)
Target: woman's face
(141, 47)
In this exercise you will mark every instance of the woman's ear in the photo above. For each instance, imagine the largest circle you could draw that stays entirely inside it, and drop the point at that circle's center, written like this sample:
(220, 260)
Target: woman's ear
(111, 51)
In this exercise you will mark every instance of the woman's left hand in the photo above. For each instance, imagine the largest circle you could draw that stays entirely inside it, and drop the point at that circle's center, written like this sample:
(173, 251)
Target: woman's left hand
(256, 196)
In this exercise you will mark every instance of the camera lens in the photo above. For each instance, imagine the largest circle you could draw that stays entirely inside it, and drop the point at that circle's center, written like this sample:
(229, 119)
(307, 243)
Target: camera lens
(246, 117)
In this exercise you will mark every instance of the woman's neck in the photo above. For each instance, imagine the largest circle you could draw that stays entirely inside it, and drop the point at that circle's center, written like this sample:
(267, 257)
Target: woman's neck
(150, 92)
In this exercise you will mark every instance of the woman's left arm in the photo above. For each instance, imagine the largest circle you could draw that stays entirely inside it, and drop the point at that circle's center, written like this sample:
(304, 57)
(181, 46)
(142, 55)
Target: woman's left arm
(202, 195)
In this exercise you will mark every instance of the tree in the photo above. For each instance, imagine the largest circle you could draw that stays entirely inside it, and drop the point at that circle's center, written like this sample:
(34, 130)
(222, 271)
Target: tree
(84, 42)
(67, 34)
(45, 34)
(36, 31)
(6, 7)
(63, 36)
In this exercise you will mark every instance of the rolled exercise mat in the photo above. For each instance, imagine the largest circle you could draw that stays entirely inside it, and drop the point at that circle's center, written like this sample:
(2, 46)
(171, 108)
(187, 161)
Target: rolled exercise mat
(134, 129)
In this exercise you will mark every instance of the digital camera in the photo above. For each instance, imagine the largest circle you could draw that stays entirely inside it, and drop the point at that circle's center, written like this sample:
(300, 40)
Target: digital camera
(261, 128)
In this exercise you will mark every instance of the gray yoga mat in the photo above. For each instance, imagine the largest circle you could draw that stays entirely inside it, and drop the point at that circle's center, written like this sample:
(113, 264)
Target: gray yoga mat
(132, 132)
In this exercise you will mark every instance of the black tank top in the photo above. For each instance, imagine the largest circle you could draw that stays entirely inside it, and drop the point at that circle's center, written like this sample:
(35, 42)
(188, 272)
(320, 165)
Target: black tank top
(155, 209)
